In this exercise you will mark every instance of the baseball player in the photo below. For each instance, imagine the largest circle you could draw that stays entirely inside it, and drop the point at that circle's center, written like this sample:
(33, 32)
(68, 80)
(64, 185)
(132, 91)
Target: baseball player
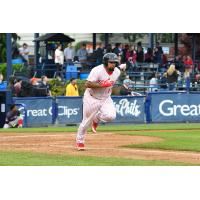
(97, 103)
(13, 118)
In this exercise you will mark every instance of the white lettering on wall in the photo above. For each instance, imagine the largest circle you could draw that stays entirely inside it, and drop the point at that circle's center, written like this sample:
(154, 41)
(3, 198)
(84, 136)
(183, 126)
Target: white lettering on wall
(172, 109)
(37, 113)
(125, 107)
(65, 111)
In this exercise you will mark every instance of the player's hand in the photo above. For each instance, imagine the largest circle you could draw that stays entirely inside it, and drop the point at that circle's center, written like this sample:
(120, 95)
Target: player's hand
(122, 67)
(106, 83)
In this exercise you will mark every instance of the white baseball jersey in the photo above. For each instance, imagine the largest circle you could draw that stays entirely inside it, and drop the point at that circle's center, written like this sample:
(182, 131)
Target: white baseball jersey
(99, 74)
(97, 103)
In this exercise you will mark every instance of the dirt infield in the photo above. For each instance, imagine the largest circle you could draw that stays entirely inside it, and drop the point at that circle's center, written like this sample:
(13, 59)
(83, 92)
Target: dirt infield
(100, 145)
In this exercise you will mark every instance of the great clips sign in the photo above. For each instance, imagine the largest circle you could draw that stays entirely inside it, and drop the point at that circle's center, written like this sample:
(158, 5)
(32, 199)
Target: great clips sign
(69, 110)
(39, 110)
(175, 107)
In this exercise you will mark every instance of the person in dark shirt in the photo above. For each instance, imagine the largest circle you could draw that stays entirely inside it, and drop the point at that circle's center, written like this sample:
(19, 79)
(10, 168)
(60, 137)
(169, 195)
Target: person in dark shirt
(13, 118)
(140, 54)
(125, 88)
(108, 49)
(99, 54)
(124, 51)
(158, 54)
(179, 63)
(44, 85)
(117, 50)
(149, 56)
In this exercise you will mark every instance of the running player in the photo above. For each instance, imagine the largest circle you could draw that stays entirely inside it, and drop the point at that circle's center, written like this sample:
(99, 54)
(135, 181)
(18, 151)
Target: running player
(97, 103)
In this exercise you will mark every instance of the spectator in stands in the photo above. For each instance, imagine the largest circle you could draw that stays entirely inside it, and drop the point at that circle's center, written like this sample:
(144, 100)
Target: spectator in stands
(124, 51)
(15, 50)
(140, 53)
(18, 87)
(172, 77)
(125, 88)
(59, 60)
(197, 78)
(99, 54)
(159, 48)
(82, 55)
(13, 118)
(188, 64)
(127, 79)
(118, 49)
(72, 88)
(24, 53)
(69, 54)
(37, 89)
(164, 59)
(108, 49)
(34, 81)
(179, 64)
(44, 84)
(148, 57)
(153, 83)
(163, 82)
(139, 44)
(1, 78)
(131, 56)
(158, 54)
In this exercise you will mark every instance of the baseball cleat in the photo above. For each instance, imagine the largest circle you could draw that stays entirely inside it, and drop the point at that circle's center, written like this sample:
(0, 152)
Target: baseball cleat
(80, 146)
(94, 127)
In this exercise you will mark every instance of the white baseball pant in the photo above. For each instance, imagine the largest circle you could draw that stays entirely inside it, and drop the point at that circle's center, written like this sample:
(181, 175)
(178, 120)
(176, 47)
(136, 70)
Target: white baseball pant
(95, 110)
(12, 123)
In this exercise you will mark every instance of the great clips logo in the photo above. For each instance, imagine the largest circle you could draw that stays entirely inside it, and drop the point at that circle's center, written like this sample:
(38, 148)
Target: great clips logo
(125, 107)
(66, 111)
(62, 111)
(169, 108)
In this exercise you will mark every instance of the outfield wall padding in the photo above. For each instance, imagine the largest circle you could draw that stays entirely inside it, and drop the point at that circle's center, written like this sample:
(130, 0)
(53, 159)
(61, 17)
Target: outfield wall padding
(68, 110)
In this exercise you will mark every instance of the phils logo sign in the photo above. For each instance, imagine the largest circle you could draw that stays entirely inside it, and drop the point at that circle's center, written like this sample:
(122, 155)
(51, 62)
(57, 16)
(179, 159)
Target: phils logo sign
(125, 107)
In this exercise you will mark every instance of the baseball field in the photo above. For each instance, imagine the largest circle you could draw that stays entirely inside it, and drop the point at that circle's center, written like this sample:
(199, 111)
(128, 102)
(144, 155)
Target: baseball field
(113, 145)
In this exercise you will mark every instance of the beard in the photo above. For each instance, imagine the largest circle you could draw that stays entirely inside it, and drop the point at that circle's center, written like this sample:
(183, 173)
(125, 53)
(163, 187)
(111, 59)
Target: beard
(111, 69)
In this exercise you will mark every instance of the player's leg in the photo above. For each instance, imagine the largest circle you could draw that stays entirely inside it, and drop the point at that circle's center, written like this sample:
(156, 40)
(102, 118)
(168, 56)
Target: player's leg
(106, 113)
(90, 108)
(20, 121)
(6, 126)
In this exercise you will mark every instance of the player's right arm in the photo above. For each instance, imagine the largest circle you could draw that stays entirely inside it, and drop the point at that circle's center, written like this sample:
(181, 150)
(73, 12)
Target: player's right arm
(102, 84)
(94, 81)
(90, 84)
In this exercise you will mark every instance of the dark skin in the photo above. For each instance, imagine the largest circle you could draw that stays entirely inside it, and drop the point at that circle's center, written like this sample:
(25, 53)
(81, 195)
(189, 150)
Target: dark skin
(14, 109)
(109, 68)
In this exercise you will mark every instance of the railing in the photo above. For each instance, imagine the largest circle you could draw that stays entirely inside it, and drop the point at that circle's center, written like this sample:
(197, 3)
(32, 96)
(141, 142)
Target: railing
(45, 69)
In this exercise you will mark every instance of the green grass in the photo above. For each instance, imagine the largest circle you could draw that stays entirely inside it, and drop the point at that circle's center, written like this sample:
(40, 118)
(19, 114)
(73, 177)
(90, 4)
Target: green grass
(182, 140)
(37, 159)
(187, 139)
(110, 127)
